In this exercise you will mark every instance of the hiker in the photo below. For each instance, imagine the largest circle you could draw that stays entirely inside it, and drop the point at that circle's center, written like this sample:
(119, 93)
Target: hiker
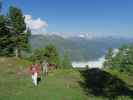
(45, 68)
(35, 73)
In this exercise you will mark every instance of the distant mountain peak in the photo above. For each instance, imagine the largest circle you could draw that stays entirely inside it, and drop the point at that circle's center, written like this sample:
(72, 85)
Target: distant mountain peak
(79, 47)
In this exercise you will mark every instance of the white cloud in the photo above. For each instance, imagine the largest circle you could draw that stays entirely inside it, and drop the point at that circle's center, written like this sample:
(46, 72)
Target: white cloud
(92, 64)
(88, 35)
(35, 24)
(81, 36)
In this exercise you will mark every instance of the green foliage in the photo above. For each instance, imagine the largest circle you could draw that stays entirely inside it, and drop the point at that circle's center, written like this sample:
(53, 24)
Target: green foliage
(122, 61)
(66, 63)
(52, 55)
(108, 58)
(14, 36)
(49, 54)
(38, 55)
(17, 20)
(6, 44)
(20, 32)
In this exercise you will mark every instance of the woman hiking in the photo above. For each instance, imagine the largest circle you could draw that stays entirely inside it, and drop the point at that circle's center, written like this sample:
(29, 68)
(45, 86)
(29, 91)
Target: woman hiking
(35, 71)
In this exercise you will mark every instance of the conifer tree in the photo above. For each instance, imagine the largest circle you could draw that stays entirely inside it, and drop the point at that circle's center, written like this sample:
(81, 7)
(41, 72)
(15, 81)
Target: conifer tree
(108, 58)
(6, 44)
(20, 32)
(66, 63)
(52, 55)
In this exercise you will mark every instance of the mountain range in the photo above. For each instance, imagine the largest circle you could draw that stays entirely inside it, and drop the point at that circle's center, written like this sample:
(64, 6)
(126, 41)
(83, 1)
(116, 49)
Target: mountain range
(79, 48)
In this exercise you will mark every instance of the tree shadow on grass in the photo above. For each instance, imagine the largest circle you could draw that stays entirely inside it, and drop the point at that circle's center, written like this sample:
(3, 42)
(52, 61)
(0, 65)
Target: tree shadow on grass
(100, 83)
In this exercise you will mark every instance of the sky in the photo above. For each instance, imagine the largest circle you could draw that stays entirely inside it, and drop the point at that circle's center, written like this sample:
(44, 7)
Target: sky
(99, 17)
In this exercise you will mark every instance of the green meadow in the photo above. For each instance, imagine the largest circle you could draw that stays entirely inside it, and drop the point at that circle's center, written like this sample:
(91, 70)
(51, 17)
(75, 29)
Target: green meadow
(16, 84)
(61, 84)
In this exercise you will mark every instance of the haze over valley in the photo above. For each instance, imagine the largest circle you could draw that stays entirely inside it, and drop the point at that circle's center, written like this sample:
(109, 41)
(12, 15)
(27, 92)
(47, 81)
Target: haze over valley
(82, 50)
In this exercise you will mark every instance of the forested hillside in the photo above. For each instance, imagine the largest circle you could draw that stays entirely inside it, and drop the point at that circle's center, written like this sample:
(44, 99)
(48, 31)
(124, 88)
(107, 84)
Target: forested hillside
(79, 49)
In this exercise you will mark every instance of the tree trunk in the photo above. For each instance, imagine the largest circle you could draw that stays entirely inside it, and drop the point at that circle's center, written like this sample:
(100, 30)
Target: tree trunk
(17, 53)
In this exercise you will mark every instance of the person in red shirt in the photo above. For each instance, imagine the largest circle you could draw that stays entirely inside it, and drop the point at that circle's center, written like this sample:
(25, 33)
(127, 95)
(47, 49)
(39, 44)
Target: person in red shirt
(35, 71)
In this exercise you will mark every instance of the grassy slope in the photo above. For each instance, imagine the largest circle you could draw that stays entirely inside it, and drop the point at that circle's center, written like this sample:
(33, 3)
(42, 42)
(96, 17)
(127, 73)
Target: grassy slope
(60, 84)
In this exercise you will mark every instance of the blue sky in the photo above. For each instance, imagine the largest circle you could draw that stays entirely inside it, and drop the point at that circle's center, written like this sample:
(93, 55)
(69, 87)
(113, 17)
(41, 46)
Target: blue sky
(97, 16)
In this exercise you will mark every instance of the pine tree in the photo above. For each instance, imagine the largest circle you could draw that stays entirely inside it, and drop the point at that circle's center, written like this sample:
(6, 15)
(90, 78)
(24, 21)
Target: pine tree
(108, 58)
(118, 60)
(19, 30)
(122, 61)
(52, 55)
(6, 45)
(130, 59)
(38, 55)
(66, 63)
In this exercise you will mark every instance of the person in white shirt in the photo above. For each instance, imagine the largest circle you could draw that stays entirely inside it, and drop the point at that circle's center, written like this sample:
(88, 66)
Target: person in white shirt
(45, 68)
